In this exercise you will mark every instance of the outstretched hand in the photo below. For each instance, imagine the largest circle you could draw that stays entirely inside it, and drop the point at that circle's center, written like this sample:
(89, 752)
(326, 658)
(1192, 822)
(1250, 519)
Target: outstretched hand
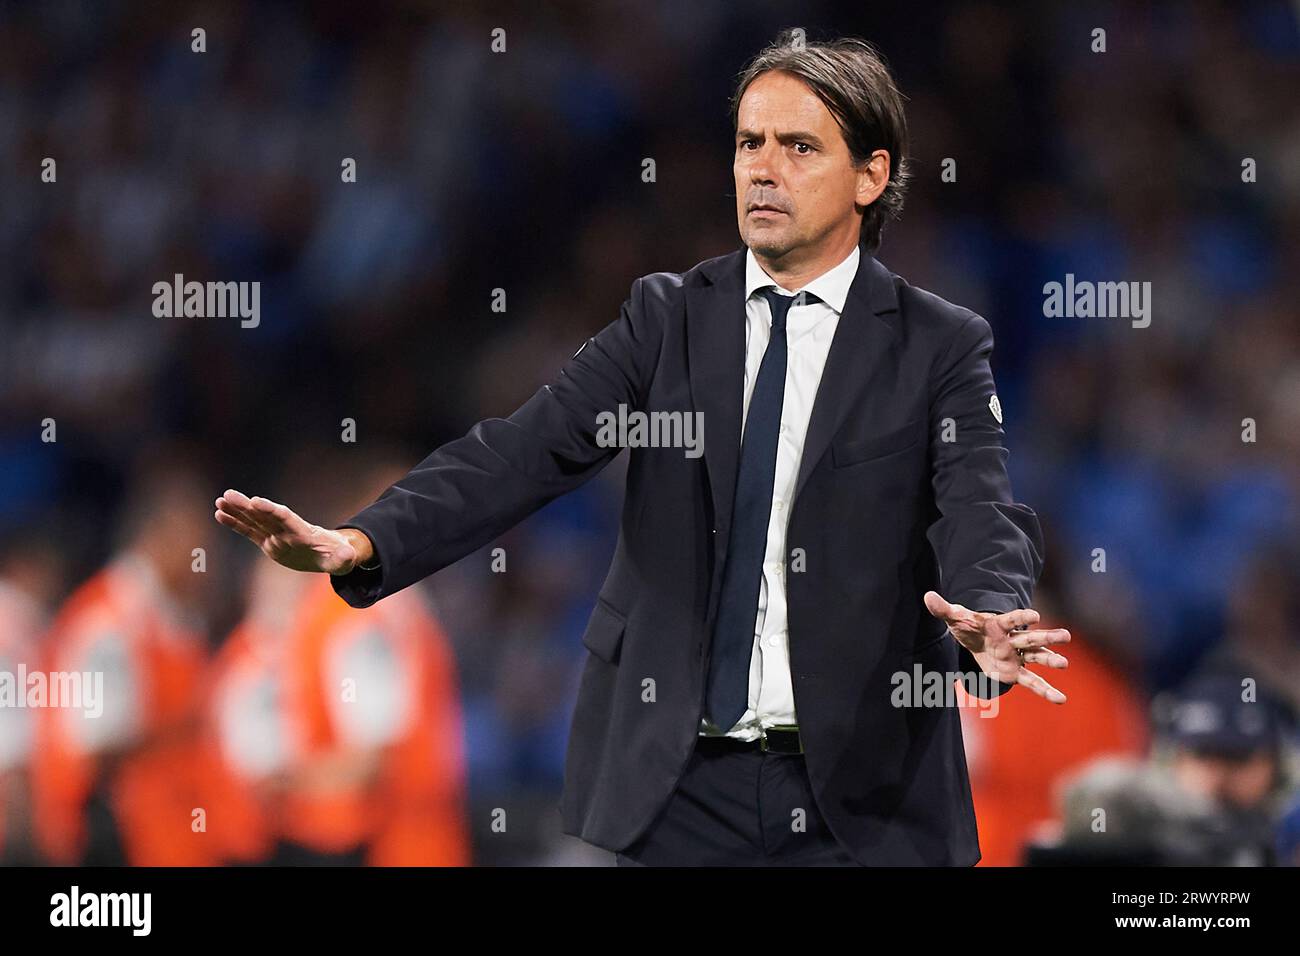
(1001, 645)
(284, 537)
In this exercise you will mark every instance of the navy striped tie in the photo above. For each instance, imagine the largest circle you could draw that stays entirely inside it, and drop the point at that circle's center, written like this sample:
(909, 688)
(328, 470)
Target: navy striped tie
(733, 635)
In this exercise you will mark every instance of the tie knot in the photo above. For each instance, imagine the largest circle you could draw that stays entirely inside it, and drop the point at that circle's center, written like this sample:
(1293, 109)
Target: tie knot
(780, 304)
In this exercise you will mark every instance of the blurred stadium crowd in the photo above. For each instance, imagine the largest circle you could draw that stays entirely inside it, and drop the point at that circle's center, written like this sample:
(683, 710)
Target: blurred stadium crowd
(522, 171)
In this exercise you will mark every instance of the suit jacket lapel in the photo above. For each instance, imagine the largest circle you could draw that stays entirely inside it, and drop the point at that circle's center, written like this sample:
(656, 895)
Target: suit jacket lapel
(864, 342)
(715, 315)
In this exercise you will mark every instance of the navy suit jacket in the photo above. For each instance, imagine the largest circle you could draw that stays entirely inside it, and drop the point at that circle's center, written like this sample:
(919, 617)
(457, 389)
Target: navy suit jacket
(902, 488)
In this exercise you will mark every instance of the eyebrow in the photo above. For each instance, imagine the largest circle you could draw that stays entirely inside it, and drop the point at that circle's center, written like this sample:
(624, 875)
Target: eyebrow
(795, 136)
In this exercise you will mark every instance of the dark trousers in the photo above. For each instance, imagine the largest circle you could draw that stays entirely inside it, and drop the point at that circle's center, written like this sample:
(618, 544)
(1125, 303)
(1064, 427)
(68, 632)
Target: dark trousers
(739, 808)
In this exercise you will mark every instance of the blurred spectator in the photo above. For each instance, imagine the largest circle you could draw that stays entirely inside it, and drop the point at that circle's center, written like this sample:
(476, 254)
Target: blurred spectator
(1123, 812)
(1226, 741)
(1210, 795)
(250, 737)
(30, 572)
(115, 774)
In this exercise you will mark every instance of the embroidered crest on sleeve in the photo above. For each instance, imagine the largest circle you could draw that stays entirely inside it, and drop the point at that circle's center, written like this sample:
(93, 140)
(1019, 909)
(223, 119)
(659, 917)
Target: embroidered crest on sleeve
(996, 408)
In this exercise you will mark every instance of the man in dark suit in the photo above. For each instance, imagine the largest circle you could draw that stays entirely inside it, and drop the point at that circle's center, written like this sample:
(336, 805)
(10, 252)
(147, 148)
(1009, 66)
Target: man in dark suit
(766, 601)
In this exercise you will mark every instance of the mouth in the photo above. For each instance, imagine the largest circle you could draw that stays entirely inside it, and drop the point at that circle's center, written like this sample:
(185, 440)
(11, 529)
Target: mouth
(765, 212)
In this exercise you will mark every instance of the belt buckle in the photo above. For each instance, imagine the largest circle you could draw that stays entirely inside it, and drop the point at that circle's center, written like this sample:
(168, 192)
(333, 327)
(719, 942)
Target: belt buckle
(763, 745)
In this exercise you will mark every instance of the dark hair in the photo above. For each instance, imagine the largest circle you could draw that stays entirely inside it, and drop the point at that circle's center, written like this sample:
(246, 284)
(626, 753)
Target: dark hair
(854, 82)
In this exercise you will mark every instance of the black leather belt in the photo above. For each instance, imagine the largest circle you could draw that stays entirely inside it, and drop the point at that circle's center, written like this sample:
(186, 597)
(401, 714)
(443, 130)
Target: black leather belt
(779, 740)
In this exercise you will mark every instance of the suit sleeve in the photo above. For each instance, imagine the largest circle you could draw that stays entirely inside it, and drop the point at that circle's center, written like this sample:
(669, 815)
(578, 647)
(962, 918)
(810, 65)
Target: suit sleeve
(471, 490)
(989, 548)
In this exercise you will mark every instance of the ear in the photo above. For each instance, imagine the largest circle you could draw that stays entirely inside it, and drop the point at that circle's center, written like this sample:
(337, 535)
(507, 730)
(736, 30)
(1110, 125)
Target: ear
(873, 177)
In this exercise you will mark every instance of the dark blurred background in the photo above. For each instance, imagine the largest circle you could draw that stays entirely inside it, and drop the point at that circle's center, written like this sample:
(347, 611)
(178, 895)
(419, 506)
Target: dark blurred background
(522, 170)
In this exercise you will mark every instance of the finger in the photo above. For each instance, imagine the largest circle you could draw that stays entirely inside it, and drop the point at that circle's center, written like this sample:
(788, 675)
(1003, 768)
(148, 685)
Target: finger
(236, 498)
(241, 506)
(1039, 686)
(936, 605)
(247, 515)
(293, 523)
(228, 505)
(230, 521)
(1023, 640)
(1021, 617)
(279, 517)
(940, 608)
(1049, 658)
(267, 514)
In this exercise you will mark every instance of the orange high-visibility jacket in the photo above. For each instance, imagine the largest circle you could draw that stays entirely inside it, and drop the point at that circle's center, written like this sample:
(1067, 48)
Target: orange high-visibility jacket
(382, 681)
(248, 738)
(142, 747)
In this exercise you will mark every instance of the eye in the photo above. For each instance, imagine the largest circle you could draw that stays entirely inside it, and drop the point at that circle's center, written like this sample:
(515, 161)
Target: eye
(805, 146)
(745, 142)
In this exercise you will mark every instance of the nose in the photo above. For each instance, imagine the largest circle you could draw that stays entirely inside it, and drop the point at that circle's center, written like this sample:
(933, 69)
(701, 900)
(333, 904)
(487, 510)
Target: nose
(762, 165)
(1219, 778)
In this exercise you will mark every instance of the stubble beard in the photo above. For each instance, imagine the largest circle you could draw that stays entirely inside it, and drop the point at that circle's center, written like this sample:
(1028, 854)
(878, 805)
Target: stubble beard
(769, 243)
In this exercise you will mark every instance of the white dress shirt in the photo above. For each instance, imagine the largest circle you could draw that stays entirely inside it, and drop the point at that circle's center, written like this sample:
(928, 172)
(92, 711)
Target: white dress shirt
(809, 331)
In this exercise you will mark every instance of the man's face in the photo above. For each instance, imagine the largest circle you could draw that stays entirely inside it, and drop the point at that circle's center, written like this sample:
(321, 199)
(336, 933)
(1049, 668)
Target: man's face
(1242, 783)
(791, 156)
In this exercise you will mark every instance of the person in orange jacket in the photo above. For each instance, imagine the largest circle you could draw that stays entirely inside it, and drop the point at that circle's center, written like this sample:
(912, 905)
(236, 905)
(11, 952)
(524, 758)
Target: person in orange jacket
(385, 766)
(30, 572)
(117, 781)
(338, 732)
(250, 741)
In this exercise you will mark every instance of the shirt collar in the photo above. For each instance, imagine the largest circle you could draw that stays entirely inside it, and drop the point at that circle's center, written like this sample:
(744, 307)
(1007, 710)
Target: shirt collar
(832, 286)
